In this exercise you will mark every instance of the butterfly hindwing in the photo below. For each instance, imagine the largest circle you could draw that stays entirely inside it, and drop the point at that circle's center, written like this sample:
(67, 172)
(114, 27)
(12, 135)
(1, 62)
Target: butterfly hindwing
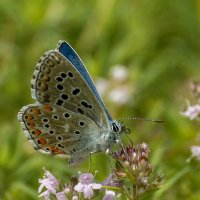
(58, 131)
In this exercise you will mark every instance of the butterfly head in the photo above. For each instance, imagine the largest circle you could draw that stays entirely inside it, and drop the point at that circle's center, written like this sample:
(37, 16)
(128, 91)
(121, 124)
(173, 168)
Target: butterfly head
(118, 127)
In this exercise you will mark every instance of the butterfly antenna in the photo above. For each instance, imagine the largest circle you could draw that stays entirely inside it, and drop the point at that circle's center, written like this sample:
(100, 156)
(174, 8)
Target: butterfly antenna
(143, 119)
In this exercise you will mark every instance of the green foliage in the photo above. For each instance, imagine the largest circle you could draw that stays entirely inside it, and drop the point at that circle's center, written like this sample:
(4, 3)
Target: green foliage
(157, 41)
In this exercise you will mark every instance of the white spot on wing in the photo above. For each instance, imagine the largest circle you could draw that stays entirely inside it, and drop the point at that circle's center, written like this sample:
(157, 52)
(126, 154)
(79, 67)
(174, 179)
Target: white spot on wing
(66, 127)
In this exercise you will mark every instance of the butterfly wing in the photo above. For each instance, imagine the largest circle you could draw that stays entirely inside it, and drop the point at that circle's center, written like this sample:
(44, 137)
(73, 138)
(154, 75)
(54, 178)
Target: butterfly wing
(58, 87)
(56, 130)
(58, 82)
(65, 49)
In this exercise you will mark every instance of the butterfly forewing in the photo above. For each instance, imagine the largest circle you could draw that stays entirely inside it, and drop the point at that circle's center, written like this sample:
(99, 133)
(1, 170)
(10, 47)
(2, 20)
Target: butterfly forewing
(66, 50)
(57, 82)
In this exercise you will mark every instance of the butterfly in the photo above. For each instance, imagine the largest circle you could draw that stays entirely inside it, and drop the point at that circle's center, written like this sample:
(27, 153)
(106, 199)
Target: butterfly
(69, 116)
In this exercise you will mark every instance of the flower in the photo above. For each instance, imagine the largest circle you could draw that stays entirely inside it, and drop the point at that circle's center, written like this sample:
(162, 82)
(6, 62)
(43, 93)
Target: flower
(119, 73)
(192, 112)
(61, 196)
(45, 194)
(196, 152)
(110, 195)
(102, 86)
(86, 185)
(120, 95)
(48, 181)
(111, 180)
(135, 158)
(134, 165)
(75, 198)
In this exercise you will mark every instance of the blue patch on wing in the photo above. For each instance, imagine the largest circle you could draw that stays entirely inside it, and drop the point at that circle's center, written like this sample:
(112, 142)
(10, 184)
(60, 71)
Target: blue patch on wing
(65, 49)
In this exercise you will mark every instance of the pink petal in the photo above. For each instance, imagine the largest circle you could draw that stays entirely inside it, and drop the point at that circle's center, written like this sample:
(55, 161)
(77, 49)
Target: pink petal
(86, 178)
(88, 192)
(79, 187)
(192, 112)
(110, 195)
(46, 183)
(96, 186)
(196, 151)
(61, 196)
(46, 195)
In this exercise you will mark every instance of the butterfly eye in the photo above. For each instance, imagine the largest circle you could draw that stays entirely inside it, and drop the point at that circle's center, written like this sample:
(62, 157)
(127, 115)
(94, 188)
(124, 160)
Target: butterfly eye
(116, 128)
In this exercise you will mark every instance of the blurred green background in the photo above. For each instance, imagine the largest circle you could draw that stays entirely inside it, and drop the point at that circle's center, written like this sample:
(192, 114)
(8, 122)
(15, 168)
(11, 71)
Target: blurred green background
(158, 42)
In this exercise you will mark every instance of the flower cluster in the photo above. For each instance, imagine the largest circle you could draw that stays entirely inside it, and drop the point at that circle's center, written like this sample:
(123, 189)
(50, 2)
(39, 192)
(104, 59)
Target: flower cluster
(193, 113)
(130, 179)
(54, 188)
(85, 185)
(135, 168)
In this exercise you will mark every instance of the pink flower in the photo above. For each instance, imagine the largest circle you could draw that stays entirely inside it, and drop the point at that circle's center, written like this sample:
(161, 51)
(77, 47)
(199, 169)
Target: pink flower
(192, 112)
(86, 185)
(61, 196)
(111, 181)
(110, 195)
(46, 195)
(196, 152)
(48, 181)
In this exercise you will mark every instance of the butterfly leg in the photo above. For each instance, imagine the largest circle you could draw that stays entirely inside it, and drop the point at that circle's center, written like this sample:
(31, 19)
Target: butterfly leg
(90, 162)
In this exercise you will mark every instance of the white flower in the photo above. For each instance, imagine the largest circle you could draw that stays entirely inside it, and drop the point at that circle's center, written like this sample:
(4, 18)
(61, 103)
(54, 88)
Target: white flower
(196, 152)
(101, 85)
(119, 73)
(75, 198)
(86, 185)
(192, 112)
(120, 95)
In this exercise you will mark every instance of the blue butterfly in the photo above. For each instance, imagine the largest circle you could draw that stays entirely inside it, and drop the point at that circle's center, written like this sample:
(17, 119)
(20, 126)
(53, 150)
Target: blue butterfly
(69, 116)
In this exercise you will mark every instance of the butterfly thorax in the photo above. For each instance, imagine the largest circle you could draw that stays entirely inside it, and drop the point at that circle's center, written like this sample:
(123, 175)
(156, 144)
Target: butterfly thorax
(110, 136)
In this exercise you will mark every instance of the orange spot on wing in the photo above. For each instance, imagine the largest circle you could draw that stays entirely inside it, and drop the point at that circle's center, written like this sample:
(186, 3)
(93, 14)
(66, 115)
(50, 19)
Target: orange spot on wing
(36, 111)
(31, 124)
(48, 108)
(29, 117)
(37, 132)
(56, 150)
(42, 141)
